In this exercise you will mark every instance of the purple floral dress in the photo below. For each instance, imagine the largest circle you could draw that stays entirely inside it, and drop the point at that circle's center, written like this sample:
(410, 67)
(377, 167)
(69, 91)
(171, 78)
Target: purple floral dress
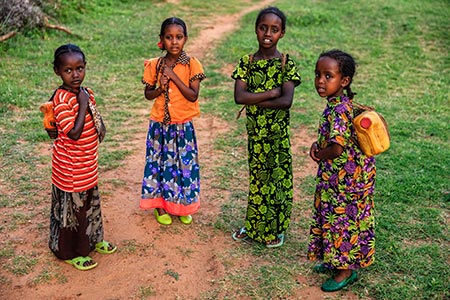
(342, 230)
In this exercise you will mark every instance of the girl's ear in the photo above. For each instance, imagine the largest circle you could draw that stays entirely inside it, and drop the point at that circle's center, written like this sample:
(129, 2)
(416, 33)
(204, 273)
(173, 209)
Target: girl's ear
(55, 69)
(345, 81)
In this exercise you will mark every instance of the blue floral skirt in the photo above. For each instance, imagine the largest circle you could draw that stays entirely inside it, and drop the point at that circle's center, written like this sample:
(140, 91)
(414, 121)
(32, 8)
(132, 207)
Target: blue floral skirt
(172, 173)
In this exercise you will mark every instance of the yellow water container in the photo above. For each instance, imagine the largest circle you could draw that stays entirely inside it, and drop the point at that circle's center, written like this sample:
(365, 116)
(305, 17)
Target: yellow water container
(372, 132)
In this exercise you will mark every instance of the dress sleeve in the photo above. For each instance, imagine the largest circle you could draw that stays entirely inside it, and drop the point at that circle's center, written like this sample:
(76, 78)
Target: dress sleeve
(241, 70)
(291, 72)
(149, 77)
(65, 110)
(196, 70)
(340, 121)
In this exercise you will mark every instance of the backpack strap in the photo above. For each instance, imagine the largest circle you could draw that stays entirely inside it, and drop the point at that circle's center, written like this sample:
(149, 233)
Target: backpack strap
(283, 61)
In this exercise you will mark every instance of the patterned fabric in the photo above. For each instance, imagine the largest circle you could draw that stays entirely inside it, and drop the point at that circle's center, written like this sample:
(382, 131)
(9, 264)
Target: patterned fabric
(96, 116)
(75, 222)
(179, 108)
(74, 162)
(172, 173)
(342, 230)
(269, 155)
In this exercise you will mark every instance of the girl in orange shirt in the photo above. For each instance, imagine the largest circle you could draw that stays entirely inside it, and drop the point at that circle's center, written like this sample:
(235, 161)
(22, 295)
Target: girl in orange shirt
(171, 183)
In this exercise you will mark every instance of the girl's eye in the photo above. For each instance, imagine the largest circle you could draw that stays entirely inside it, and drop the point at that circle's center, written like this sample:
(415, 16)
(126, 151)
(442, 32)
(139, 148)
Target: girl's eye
(80, 69)
(68, 71)
(317, 74)
(275, 30)
(328, 76)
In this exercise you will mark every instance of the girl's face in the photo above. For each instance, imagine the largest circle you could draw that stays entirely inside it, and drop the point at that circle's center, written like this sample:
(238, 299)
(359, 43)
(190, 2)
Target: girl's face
(174, 39)
(269, 31)
(71, 69)
(329, 81)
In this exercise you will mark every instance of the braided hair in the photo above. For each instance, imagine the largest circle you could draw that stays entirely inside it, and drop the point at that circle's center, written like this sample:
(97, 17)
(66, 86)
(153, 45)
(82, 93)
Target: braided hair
(64, 49)
(272, 10)
(347, 66)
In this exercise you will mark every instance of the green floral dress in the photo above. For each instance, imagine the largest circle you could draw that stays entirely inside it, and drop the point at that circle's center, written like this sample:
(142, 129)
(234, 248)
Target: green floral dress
(269, 153)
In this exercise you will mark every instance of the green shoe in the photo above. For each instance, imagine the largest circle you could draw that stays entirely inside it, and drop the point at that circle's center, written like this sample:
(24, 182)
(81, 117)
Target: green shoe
(186, 219)
(332, 286)
(164, 219)
(320, 268)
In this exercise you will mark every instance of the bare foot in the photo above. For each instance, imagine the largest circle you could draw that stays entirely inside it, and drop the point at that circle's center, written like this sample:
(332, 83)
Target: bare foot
(161, 211)
(342, 275)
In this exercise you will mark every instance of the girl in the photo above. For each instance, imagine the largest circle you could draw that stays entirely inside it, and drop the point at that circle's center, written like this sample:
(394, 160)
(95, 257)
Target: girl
(265, 83)
(342, 229)
(76, 226)
(171, 182)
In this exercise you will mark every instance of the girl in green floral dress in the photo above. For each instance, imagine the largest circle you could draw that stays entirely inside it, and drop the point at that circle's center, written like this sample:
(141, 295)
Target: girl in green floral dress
(265, 83)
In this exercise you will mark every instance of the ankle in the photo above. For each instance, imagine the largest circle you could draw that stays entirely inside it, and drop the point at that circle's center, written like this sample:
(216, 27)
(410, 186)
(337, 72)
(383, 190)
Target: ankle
(342, 275)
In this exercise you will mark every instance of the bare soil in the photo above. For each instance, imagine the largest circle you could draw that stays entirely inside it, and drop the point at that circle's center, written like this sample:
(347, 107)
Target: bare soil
(155, 261)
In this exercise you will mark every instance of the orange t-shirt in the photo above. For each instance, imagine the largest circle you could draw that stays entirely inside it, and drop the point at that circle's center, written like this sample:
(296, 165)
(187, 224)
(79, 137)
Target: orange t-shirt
(181, 110)
(74, 163)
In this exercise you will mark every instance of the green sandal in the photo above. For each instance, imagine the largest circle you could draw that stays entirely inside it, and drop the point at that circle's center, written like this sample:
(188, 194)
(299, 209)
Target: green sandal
(186, 219)
(80, 261)
(105, 247)
(320, 269)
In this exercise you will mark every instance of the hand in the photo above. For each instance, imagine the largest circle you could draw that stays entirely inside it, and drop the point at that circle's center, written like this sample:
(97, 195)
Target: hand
(83, 97)
(167, 71)
(52, 133)
(164, 82)
(314, 151)
(276, 92)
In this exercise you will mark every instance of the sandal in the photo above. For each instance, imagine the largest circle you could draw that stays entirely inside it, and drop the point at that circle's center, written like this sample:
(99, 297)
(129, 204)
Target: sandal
(332, 286)
(320, 268)
(163, 219)
(240, 235)
(186, 219)
(277, 242)
(105, 247)
(80, 263)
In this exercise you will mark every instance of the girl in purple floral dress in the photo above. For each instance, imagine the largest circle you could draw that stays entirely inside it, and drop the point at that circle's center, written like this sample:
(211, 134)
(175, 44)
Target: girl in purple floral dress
(342, 229)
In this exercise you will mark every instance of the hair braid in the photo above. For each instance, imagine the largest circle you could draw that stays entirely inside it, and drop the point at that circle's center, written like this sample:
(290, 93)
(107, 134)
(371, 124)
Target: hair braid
(68, 48)
(347, 66)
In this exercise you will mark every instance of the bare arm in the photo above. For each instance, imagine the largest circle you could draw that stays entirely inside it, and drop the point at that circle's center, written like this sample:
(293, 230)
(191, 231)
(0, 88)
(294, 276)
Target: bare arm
(152, 93)
(284, 101)
(77, 129)
(331, 152)
(242, 96)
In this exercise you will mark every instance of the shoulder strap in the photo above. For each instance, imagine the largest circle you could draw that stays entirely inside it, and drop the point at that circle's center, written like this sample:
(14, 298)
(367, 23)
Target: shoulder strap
(283, 61)
(53, 96)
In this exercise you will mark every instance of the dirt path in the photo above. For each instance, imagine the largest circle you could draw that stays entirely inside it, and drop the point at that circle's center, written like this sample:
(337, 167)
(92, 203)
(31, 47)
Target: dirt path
(174, 262)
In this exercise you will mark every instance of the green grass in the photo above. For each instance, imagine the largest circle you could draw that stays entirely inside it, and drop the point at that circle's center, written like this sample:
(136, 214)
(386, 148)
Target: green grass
(403, 70)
